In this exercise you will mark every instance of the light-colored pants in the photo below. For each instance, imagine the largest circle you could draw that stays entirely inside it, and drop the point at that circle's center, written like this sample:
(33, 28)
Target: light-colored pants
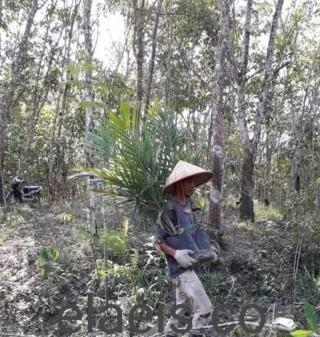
(190, 293)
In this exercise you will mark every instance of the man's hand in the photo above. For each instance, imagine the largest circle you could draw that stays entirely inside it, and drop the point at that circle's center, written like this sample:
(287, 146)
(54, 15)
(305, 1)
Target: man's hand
(183, 258)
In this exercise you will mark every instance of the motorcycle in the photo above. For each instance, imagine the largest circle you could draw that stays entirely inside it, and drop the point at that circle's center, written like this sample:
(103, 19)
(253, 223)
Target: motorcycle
(23, 193)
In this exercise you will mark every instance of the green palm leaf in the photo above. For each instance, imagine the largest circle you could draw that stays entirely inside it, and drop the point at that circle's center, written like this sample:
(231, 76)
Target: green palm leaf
(138, 165)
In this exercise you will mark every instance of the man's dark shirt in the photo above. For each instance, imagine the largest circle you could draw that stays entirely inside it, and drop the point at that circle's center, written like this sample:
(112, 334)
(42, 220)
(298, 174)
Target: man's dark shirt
(181, 217)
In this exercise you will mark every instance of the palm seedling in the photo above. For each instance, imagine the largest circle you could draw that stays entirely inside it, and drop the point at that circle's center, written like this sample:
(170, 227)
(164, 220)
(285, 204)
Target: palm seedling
(137, 165)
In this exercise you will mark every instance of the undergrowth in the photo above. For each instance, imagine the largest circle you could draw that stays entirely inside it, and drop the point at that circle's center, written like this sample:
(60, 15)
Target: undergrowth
(267, 212)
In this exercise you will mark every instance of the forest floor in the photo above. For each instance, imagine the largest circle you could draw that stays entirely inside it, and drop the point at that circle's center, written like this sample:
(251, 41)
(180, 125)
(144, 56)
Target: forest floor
(47, 262)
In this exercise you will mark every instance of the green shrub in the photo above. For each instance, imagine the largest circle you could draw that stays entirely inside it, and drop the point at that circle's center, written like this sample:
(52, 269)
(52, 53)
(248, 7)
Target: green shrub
(46, 256)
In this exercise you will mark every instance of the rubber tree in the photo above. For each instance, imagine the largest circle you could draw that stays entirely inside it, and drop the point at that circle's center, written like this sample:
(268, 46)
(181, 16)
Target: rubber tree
(217, 123)
(152, 58)
(139, 51)
(240, 70)
(89, 99)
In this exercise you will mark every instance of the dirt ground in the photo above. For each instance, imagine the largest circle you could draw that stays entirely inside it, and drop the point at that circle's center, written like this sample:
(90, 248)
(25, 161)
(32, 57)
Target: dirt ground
(257, 268)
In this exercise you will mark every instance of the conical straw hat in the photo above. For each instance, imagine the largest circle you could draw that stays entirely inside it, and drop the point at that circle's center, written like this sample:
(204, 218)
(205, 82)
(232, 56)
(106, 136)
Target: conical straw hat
(185, 170)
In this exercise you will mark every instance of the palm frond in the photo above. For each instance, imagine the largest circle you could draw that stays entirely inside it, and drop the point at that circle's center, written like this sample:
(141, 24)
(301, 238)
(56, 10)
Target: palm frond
(138, 166)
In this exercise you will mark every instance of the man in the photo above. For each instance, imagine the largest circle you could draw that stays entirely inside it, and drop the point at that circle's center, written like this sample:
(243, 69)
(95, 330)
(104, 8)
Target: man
(16, 188)
(189, 290)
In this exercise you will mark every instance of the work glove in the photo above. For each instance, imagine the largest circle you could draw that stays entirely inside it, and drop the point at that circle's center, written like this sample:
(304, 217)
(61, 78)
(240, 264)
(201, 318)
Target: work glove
(157, 247)
(215, 254)
(183, 258)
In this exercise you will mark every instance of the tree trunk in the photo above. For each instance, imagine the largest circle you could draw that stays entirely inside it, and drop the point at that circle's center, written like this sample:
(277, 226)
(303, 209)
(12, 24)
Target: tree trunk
(250, 147)
(246, 188)
(2, 191)
(139, 52)
(87, 29)
(268, 75)
(246, 196)
(1, 25)
(269, 148)
(89, 124)
(217, 120)
(152, 59)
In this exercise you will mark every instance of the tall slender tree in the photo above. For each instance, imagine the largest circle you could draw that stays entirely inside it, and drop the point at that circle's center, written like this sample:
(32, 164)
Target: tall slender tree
(12, 94)
(139, 51)
(217, 124)
(89, 99)
(250, 146)
(152, 58)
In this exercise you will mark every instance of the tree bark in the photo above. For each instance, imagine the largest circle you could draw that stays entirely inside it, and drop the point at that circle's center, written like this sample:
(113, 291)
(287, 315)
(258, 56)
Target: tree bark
(89, 99)
(87, 29)
(247, 188)
(217, 119)
(139, 9)
(269, 151)
(152, 58)
(1, 25)
(2, 191)
(268, 75)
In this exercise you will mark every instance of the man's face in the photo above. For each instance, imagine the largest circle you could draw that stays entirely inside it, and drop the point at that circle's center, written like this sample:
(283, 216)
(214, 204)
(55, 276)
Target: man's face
(187, 187)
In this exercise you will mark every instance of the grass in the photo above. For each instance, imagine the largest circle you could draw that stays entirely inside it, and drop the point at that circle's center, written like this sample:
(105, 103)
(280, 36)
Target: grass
(246, 226)
(262, 212)
(266, 213)
(230, 202)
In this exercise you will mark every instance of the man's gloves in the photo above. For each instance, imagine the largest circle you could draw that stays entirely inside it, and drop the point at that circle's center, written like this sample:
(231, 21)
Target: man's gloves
(183, 258)
(215, 254)
(157, 247)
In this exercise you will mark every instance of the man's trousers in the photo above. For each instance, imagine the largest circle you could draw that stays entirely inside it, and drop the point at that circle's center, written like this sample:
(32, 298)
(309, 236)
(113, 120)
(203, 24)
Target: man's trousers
(190, 293)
